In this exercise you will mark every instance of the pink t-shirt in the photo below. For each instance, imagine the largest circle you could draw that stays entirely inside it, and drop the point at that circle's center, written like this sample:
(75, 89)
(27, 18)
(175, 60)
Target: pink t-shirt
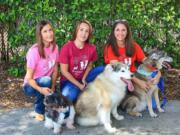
(77, 59)
(41, 66)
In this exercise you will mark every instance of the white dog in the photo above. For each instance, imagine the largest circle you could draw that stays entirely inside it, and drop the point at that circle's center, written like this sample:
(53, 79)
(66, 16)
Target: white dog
(103, 96)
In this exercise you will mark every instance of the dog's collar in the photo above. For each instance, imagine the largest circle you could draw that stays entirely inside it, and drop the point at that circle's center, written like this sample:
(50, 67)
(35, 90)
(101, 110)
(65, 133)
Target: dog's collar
(66, 113)
(143, 72)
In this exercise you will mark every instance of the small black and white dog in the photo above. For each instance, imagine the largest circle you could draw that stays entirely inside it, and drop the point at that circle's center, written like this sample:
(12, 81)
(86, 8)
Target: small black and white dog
(58, 111)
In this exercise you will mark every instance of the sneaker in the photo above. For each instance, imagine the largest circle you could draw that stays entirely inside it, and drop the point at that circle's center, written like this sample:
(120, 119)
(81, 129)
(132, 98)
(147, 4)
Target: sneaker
(37, 116)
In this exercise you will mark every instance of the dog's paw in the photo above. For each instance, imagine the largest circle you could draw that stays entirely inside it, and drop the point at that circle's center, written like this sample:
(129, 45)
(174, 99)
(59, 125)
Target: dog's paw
(112, 130)
(48, 125)
(161, 110)
(119, 117)
(57, 130)
(139, 114)
(154, 115)
(70, 126)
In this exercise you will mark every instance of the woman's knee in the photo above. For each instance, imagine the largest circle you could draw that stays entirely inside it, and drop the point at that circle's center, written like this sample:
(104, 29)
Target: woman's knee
(45, 81)
(71, 93)
(94, 73)
(30, 91)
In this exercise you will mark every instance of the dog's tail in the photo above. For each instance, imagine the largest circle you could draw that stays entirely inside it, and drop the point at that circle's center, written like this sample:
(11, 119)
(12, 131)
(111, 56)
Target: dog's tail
(129, 103)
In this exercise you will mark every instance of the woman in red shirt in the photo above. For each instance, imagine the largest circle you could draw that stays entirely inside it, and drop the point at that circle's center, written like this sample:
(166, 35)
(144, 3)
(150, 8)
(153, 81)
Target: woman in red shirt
(76, 61)
(121, 47)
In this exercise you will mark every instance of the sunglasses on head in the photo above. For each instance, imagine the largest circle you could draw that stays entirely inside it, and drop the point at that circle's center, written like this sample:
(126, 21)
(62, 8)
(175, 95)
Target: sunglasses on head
(120, 20)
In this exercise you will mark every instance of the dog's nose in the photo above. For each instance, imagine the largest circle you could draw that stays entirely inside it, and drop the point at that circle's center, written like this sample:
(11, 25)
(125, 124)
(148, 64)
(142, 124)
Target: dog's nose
(132, 75)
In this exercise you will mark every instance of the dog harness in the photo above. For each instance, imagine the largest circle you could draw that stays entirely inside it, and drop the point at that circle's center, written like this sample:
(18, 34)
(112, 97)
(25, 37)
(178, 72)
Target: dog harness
(65, 114)
(143, 72)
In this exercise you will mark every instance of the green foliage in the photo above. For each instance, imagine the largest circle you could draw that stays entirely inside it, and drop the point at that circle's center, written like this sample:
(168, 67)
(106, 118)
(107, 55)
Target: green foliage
(154, 23)
(15, 71)
(17, 68)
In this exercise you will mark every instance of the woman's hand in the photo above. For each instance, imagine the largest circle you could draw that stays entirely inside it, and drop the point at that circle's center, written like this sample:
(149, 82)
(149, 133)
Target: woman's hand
(144, 85)
(84, 82)
(81, 86)
(53, 89)
(156, 79)
(32, 82)
(45, 91)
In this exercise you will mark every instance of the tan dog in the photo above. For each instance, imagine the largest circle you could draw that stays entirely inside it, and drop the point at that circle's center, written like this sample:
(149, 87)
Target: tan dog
(135, 102)
(102, 97)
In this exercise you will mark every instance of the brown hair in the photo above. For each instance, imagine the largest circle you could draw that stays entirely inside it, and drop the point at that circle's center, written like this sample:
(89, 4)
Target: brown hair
(129, 47)
(39, 39)
(77, 28)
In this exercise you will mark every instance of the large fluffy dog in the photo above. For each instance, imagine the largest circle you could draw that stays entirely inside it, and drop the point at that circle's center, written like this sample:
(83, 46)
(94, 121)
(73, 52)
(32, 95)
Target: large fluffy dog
(58, 111)
(102, 97)
(135, 102)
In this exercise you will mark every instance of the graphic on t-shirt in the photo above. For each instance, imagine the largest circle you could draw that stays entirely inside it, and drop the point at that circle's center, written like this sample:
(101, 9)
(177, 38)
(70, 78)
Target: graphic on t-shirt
(83, 64)
(49, 63)
(80, 63)
(128, 61)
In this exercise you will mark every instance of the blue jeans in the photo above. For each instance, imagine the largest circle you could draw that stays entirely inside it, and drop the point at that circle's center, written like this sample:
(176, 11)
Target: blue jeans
(71, 91)
(30, 91)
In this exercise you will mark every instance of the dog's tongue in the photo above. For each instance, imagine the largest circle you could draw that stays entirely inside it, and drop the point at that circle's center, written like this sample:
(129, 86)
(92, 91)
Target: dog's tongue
(166, 65)
(129, 83)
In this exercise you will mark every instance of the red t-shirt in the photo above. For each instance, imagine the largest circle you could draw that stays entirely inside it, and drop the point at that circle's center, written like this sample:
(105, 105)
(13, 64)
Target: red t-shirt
(138, 56)
(77, 59)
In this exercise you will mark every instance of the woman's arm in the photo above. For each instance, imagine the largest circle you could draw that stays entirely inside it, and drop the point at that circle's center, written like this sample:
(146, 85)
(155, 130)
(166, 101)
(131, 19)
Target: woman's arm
(88, 69)
(32, 83)
(156, 79)
(68, 75)
(54, 77)
(142, 84)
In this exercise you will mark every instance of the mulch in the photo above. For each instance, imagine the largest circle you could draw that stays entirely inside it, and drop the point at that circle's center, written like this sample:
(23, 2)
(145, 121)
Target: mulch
(12, 95)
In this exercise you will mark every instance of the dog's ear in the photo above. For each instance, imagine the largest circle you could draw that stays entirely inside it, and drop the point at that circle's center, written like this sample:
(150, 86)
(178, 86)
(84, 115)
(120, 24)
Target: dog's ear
(116, 66)
(64, 100)
(149, 50)
(108, 67)
(47, 99)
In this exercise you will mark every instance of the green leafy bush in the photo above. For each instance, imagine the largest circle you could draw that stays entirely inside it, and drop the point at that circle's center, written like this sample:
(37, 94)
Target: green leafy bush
(154, 23)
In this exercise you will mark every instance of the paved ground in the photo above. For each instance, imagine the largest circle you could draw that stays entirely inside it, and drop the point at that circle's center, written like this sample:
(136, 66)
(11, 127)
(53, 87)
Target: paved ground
(18, 122)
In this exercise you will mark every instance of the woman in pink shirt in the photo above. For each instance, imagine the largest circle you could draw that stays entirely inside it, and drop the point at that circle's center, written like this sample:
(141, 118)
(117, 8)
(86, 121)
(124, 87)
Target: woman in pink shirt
(42, 67)
(76, 61)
